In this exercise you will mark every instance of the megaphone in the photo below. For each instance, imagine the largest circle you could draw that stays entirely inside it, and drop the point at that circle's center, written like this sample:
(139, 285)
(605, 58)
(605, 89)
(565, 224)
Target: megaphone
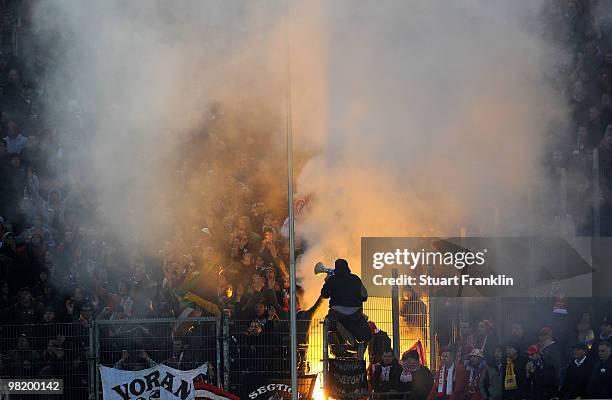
(321, 269)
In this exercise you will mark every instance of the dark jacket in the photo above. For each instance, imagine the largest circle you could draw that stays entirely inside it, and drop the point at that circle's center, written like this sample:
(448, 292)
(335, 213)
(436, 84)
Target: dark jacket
(343, 289)
(593, 353)
(522, 390)
(247, 302)
(522, 342)
(392, 384)
(492, 382)
(544, 383)
(552, 357)
(487, 345)
(576, 380)
(600, 384)
(304, 318)
(422, 382)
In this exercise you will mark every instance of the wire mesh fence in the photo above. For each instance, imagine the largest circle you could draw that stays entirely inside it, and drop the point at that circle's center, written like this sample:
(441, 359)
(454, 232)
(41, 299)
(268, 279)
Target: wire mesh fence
(231, 348)
(134, 345)
(256, 346)
(180, 344)
(47, 351)
(413, 320)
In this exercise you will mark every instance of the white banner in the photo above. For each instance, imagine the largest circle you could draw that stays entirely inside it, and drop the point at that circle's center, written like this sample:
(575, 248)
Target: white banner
(160, 382)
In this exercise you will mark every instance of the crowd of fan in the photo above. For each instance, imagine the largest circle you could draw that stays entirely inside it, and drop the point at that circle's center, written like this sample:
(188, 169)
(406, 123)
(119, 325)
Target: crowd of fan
(478, 366)
(583, 30)
(59, 264)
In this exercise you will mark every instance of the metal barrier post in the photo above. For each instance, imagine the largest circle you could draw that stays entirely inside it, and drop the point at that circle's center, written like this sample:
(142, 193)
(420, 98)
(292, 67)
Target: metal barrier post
(91, 362)
(595, 242)
(226, 360)
(325, 356)
(395, 316)
(433, 326)
(218, 333)
(96, 328)
(596, 195)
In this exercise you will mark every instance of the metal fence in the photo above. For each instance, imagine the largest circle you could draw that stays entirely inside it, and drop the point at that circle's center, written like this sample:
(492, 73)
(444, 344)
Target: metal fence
(9, 32)
(255, 346)
(135, 344)
(47, 351)
(412, 321)
(232, 348)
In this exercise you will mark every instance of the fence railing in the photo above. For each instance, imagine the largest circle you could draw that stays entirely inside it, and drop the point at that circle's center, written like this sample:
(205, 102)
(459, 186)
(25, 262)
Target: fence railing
(135, 344)
(231, 348)
(47, 351)
(10, 25)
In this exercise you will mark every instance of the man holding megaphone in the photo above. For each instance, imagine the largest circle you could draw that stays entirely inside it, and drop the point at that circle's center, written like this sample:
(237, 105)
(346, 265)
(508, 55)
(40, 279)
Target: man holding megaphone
(346, 295)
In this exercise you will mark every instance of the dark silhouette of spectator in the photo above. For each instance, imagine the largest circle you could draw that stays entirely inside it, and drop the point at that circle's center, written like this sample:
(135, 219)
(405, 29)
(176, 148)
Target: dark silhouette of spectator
(415, 378)
(576, 381)
(520, 337)
(605, 335)
(550, 350)
(600, 384)
(542, 378)
(492, 382)
(386, 374)
(23, 359)
(346, 295)
(515, 385)
(484, 339)
(26, 311)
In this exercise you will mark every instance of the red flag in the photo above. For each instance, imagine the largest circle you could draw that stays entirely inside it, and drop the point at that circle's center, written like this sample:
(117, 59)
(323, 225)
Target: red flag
(418, 346)
(205, 391)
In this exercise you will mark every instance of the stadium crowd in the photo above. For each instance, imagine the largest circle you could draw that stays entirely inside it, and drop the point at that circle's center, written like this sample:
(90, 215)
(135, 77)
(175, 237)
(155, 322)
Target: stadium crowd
(478, 366)
(61, 268)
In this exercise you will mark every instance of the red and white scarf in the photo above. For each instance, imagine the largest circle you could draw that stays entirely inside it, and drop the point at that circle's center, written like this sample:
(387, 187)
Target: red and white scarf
(445, 381)
(407, 372)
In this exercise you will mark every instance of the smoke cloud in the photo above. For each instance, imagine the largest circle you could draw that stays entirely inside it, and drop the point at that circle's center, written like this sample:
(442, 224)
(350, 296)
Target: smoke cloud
(180, 95)
(440, 114)
(410, 118)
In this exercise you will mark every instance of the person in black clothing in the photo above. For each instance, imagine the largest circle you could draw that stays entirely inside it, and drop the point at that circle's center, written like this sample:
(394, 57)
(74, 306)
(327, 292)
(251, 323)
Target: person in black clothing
(26, 311)
(605, 335)
(14, 184)
(492, 383)
(48, 329)
(550, 349)
(346, 295)
(415, 378)
(519, 336)
(515, 385)
(303, 320)
(485, 338)
(258, 292)
(254, 349)
(600, 383)
(542, 379)
(576, 380)
(304, 317)
(385, 377)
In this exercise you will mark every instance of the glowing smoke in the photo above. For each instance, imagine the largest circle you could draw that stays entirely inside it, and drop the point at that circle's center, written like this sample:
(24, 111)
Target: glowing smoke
(425, 116)
(148, 72)
(439, 113)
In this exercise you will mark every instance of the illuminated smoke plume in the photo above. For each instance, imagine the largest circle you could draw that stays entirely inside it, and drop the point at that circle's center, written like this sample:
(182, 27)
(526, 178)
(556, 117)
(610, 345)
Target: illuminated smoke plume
(438, 115)
(149, 73)
(410, 118)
